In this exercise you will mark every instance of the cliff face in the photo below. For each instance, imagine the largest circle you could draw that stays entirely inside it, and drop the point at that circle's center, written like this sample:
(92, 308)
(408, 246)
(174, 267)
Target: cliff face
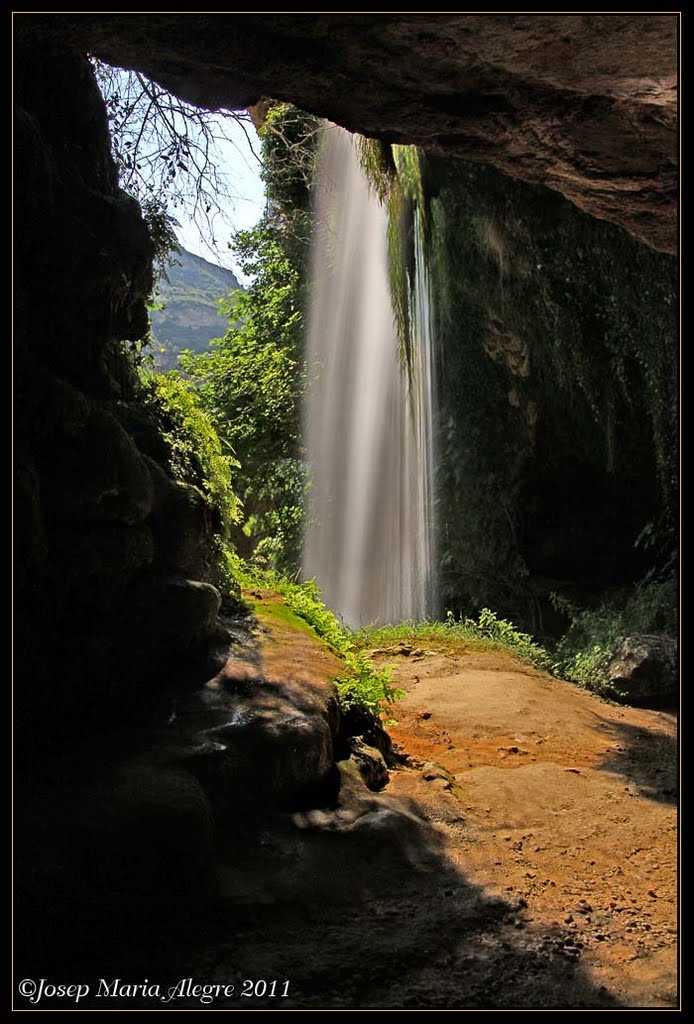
(583, 103)
(558, 341)
(188, 317)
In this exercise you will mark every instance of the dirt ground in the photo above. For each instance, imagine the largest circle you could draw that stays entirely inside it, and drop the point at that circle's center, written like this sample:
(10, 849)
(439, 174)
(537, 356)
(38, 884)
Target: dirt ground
(523, 856)
(569, 806)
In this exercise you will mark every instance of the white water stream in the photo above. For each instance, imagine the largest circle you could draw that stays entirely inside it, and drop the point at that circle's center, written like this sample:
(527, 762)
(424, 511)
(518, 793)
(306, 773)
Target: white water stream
(368, 429)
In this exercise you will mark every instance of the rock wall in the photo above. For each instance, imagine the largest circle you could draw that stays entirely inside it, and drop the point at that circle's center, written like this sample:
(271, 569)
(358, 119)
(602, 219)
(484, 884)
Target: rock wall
(583, 103)
(105, 539)
(558, 344)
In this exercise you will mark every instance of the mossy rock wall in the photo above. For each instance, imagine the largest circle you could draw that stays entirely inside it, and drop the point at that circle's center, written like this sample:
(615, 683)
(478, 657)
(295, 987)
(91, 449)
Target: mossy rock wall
(558, 395)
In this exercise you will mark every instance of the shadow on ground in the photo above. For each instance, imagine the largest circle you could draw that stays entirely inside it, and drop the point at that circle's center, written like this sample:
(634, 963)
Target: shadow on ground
(355, 906)
(646, 757)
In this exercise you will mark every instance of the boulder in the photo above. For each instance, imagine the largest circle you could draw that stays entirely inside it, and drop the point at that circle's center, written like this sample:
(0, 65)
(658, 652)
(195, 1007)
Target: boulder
(370, 763)
(174, 611)
(102, 549)
(162, 820)
(262, 732)
(273, 754)
(179, 522)
(645, 672)
(87, 572)
(139, 423)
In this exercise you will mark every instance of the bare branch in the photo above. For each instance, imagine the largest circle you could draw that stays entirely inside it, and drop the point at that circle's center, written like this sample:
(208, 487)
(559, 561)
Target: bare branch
(168, 152)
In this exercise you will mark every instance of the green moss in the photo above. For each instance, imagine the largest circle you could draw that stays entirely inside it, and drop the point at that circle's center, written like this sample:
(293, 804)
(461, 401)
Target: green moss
(364, 689)
(376, 159)
(280, 613)
(557, 336)
(194, 449)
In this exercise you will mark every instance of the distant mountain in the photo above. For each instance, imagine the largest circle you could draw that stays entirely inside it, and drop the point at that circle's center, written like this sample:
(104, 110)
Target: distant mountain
(189, 318)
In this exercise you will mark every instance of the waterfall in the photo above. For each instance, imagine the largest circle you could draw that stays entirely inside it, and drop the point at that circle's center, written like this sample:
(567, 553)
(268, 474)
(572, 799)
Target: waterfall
(368, 424)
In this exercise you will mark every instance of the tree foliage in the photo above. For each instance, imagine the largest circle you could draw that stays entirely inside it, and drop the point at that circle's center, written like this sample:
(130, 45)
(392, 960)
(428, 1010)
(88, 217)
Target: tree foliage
(252, 381)
(250, 384)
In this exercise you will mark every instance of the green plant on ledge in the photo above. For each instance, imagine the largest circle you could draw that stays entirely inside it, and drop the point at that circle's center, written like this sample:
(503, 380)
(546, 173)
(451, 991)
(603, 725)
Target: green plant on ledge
(365, 691)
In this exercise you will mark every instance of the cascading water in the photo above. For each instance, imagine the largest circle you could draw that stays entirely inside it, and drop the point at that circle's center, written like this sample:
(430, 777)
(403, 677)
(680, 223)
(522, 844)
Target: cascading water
(368, 424)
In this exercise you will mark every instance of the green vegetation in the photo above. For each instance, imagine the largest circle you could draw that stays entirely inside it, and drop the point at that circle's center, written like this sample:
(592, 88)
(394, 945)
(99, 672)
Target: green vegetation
(581, 656)
(364, 689)
(486, 631)
(558, 405)
(251, 383)
(194, 456)
(194, 448)
(396, 174)
(590, 643)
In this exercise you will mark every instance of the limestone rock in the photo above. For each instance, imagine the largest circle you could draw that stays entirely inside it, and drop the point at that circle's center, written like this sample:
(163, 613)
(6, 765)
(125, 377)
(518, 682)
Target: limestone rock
(164, 823)
(115, 850)
(179, 522)
(262, 732)
(108, 549)
(272, 752)
(176, 611)
(141, 426)
(88, 570)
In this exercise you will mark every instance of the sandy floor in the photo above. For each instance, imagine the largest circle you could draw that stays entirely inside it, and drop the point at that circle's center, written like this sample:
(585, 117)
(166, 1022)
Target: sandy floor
(523, 858)
(568, 805)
